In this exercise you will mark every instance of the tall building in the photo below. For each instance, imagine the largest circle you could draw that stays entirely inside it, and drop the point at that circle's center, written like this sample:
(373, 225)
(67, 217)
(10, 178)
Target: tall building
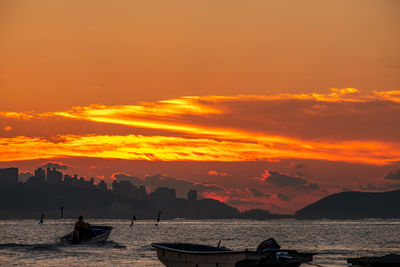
(85, 183)
(71, 180)
(9, 176)
(164, 194)
(123, 189)
(102, 186)
(192, 195)
(126, 190)
(40, 175)
(54, 176)
(142, 194)
(39, 178)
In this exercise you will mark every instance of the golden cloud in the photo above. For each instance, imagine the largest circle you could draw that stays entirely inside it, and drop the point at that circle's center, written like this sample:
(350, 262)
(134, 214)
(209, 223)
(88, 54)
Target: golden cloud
(197, 139)
(162, 148)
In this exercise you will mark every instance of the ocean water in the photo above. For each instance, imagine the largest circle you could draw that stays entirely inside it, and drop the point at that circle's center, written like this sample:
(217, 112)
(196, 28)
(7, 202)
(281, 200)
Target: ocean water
(26, 243)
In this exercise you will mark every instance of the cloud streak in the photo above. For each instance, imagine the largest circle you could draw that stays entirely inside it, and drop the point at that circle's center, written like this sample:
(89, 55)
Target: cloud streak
(328, 126)
(286, 181)
(162, 148)
(56, 165)
(393, 175)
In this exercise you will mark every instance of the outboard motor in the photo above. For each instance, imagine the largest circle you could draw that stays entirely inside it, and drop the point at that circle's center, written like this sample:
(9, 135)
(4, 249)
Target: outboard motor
(269, 244)
(75, 237)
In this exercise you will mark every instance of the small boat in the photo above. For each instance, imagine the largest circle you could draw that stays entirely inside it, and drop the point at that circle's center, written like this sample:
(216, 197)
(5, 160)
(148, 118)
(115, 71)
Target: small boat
(268, 254)
(99, 234)
(389, 260)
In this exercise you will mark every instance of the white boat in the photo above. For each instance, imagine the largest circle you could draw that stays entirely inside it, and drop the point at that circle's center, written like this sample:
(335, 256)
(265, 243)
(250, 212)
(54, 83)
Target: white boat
(196, 255)
(99, 234)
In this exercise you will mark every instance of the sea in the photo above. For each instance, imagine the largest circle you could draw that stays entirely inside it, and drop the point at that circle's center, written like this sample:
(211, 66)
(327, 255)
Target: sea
(28, 243)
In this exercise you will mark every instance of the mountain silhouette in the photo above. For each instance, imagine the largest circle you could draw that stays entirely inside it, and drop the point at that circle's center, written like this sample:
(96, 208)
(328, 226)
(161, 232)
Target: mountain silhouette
(354, 205)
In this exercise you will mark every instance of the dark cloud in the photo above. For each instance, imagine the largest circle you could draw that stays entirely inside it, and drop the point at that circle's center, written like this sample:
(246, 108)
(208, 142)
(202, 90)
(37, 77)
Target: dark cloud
(381, 187)
(299, 166)
(298, 118)
(283, 197)
(313, 186)
(393, 186)
(215, 173)
(237, 202)
(369, 187)
(180, 185)
(120, 176)
(283, 180)
(257, 193)
(393, 175)
(57, 165)
(208, 187)
(275, 206)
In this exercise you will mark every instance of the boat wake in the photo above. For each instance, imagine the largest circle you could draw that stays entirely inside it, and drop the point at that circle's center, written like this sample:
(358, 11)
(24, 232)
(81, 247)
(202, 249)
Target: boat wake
(33, 247)
(57, 246)
(108, 244)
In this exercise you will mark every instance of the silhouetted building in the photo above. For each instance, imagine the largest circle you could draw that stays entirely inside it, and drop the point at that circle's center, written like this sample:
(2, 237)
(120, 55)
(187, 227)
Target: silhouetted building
(126, 190)
(142, 194)
(54, 176)
(69, 180)
(122, 189)
(86, 183)
(192, 195)
(38, 178)
(102, 186)
(9, 176)
(163, 196)
(40, 175)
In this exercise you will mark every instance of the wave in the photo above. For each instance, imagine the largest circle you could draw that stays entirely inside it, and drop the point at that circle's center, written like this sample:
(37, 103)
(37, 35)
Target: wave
(45, 247)
(57, 246)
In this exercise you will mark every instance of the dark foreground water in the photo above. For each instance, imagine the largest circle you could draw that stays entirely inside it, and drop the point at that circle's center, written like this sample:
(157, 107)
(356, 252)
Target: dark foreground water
(26, 243)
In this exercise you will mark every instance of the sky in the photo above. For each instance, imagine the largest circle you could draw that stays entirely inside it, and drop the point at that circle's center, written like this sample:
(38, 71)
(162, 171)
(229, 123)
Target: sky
(261, 104)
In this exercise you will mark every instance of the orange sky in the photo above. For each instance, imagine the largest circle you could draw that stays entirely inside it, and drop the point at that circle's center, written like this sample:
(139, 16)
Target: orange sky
(59, 54)
(223, 83)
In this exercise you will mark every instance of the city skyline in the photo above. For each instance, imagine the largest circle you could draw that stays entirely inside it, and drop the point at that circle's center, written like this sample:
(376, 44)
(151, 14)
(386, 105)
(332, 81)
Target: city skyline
(54, 195)
(51, 175)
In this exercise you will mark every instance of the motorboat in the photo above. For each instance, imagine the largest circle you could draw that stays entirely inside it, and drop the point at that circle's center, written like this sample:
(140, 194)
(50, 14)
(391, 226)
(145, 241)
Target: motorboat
(389, 260)
(268, 253)
(98, 234)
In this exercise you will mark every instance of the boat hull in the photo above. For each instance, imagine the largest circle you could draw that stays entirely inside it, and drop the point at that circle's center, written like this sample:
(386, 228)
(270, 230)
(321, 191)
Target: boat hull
(100, 235)
(390, 260)
(173, 257)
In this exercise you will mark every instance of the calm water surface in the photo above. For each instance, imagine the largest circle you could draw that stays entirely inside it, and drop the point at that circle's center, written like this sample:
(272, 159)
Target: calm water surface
(26, 243)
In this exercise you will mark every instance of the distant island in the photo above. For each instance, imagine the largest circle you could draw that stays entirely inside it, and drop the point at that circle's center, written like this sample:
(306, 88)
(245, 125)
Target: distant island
(354, 205)
(57, 195)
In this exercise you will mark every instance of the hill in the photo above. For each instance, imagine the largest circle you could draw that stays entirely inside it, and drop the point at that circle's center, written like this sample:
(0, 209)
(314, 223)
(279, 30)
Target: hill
(354, 205)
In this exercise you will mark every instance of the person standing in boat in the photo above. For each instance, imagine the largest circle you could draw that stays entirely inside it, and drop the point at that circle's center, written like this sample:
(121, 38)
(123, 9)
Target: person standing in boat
(82, 229)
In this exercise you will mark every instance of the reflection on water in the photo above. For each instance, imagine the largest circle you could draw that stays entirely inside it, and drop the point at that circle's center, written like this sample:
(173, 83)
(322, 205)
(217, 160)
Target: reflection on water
(25, 242)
